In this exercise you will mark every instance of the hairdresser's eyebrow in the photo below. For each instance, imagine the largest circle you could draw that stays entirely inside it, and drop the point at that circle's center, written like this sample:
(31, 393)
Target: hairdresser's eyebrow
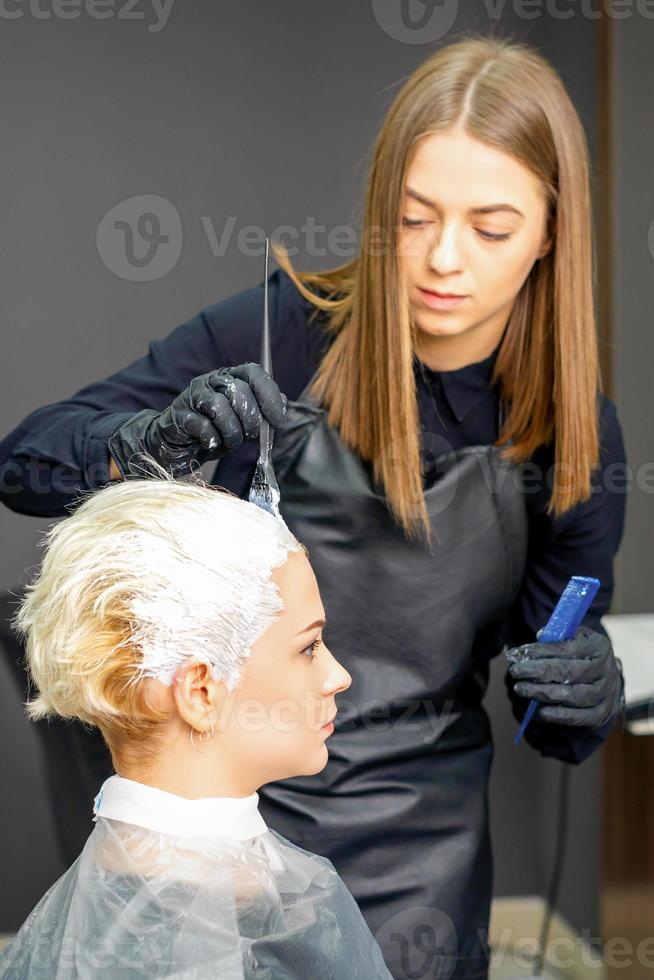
(491, 208)
(423, 200)
(318, 622)
(486, 209)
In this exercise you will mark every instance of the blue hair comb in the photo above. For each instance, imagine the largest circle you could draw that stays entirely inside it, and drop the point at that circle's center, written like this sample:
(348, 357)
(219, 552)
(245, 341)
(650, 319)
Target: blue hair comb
(563, 624)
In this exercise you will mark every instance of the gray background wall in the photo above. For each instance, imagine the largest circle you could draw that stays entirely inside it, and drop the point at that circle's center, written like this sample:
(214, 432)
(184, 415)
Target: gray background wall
(264, 113)
(633, 317)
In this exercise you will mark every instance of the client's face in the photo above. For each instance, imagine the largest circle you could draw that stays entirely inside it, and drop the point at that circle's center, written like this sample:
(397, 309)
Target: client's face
(276, 723)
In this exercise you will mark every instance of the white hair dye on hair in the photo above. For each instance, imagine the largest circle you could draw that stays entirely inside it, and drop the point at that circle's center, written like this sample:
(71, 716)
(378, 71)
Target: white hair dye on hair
(145, 575)
(207, 588)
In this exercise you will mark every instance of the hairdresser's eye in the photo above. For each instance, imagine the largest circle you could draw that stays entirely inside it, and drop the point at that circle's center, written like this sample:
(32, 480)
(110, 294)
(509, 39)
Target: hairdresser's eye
(495, 236)
(313, 648)
(414, 222)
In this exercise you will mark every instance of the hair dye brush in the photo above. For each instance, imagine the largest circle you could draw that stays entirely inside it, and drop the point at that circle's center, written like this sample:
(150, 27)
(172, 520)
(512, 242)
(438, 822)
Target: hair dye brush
(264, 491)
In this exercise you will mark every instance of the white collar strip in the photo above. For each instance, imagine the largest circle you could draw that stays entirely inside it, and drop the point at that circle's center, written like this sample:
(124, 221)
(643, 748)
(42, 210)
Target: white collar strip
(236, 818)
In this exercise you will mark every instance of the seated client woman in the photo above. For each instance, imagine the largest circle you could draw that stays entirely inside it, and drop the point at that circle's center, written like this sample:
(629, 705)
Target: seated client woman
(185, 624)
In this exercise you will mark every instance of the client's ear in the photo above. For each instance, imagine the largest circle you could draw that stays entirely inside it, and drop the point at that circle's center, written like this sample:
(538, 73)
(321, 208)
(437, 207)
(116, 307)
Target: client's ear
(198, 697)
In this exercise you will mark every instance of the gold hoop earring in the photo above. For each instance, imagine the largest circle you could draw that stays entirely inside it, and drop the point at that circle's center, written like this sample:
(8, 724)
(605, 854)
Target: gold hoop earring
(205, 736)
(208, 734)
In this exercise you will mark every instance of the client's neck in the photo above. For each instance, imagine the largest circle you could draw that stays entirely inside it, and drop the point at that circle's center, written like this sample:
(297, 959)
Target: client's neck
(194, 776)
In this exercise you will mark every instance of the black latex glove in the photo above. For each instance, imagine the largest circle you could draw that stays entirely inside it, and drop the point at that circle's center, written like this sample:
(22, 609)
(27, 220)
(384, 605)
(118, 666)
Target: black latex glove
(208, 419)
(577, 682)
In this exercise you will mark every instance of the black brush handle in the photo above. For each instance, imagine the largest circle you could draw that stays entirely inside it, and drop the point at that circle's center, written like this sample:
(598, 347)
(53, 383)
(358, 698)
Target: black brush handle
(265, 359)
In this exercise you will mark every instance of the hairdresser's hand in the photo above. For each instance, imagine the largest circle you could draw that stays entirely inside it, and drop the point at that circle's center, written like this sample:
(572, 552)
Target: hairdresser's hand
(577, 682)
(208, 419)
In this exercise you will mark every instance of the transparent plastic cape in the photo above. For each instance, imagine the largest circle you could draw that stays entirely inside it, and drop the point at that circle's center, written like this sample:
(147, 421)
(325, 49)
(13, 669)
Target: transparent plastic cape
(138, 903)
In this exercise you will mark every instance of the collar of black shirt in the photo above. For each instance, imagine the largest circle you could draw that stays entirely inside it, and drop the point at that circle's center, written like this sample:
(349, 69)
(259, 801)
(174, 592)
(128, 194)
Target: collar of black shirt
(464, 387)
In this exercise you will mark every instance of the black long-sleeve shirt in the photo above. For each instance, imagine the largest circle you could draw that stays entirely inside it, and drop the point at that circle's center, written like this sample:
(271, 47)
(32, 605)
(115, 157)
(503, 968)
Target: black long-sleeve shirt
(61, 448)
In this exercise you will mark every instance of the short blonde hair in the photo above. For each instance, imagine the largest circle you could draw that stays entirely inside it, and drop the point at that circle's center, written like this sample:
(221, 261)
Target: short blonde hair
(145, 574)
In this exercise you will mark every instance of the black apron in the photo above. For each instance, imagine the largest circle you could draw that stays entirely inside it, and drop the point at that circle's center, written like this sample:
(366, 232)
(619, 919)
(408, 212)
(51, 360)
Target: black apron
(401, 807)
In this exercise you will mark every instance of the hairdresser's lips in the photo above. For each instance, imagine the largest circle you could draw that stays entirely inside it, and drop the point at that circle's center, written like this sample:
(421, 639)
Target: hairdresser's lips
(441, 301)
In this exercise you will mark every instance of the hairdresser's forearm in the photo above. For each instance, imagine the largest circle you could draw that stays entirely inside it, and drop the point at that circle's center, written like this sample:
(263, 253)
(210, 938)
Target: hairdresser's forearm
(52, 455)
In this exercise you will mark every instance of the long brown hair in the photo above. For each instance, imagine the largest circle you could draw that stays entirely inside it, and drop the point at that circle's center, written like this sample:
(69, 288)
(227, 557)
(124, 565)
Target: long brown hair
(508, 96)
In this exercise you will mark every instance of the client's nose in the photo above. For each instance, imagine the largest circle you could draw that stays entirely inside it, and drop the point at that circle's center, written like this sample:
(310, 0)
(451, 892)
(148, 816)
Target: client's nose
(337, 678)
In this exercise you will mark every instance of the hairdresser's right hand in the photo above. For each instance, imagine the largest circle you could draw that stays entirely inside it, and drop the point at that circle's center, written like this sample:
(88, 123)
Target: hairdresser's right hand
(208, 419)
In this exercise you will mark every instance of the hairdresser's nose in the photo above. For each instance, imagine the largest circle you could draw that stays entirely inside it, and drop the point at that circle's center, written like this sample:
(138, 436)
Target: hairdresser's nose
(444, 257)
(336, 677)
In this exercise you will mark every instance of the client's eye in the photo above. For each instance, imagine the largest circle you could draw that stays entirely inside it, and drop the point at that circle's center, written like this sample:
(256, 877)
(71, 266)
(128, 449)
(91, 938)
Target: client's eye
(313, 648)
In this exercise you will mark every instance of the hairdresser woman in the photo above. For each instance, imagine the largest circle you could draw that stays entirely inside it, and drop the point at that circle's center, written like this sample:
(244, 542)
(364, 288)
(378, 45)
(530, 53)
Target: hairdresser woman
(455, 478)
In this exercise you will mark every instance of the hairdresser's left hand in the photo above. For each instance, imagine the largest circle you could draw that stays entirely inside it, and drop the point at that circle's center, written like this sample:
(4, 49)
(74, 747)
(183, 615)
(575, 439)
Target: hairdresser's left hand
(577, 682)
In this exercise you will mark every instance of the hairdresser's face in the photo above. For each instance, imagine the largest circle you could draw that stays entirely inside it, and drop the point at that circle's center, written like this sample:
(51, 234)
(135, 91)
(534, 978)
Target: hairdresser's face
(478, 239)
(275, 727)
